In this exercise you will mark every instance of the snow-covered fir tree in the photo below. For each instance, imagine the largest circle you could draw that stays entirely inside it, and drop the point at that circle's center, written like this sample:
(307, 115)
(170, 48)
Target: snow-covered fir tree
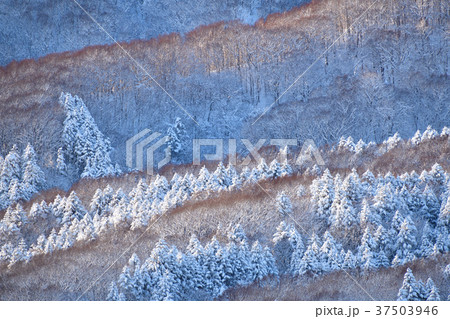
(384, 201)
(263, 170)
(392, 142)
(429, 134)
(275, 169)
(311, 261)
(330, 257)
(176, 134)
(114, 294)
(322, 195)
(427, 241)
(61, 166)
(406, 242)
(417, 138)
(33, 176)
(411, 289)
(431, 212)
(73, 208)
(283, 247)
(84, 145)
(368, 216)
(10, 175)
(350, 261)
(344, 217)
(284, 205)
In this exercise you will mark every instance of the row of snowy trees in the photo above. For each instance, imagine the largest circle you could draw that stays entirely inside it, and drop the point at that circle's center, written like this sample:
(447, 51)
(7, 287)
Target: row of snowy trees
(390, 205)
(371, 204)
(416, 290)
(20, 176)
(85, 146)
(319, 256)
(67, 222)
(206, 272)
(385, 242)
(348, 144)
(375, 222)
(201, 273)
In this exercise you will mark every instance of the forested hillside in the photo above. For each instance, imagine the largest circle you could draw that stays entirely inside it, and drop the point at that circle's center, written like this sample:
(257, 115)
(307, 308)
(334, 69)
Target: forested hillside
(273, 226)
(337, 112)
(388, 72)
(124, 20)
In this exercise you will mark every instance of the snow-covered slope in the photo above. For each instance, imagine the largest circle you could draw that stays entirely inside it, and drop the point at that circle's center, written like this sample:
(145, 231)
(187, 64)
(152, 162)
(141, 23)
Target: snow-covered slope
(387, 71)
(344, 221)
(34, 28)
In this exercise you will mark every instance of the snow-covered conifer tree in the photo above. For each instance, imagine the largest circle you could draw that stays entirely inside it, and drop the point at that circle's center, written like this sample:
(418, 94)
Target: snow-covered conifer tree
(368, 260)
(176, 134)
(297, 254)
(11, 166)
(406, 243)
(382, 246)
(392, 141)
(443, 226)
(410, 289)
(350, 261)
(368, 216)
(434, 294)
(236, 182)
(33, 177)
(311, 259)
(352, 186)
(15, 192)
(114, 294)
(86, 229)
(284, 205)
(431, 212)
(439, 177)
(429, 134)
(329, 253)
(417, 138)
(384, 201)
(61, 166)
(368, 183)
(431, 291)
(236, 234)
(367, 240)
(97, 202)
(73, 208)
(275, 169)
(245, 174)
(428, 241)
(221, 179)
(258, 262)
(263, 170)
(286, 169)
(283, 247)
(37, 212)
(301, 191)
(322, 195)
(360, 146)
(445, 132)
(202, 180)
(85, 145)
(345, 221)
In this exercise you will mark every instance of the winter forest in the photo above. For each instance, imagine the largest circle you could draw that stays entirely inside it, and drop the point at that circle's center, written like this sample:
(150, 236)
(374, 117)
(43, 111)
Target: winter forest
(363, 213)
